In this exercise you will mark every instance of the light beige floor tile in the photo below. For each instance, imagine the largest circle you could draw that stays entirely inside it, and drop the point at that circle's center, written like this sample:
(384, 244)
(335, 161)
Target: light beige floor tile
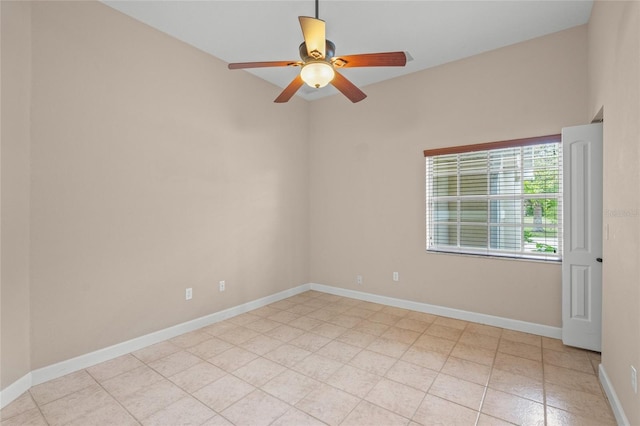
(393, 310)
(437, 411)
(216, 420)
(353, 380)
(457, 390)
(263, 325)
(156, 351)
(521, 350)
(401, 335)
(210, 348)
(513, 408)
(425, 358)
(290, 386)
(149, 399)
(301, 309)
(265, 311)
(388, 347)
(369, 414)
(384, 318)
(359, 312)
(284, 317)
(344, 321)
(572, 379)
(20, 405)
(306, 323)
(220, 328)
(396, 397)
(480, 340)
(261, 344)
(317, 367)
(444, 332)
(197, 376)
(557, 417)
(91, 404)
(244, 319)
(295, 417)
(412, 324)
(517, 365)
(174, 363)
(435, 344)
(185, 411)
(259, 371)
(575, 360)
(412, 375)
(223, 392)
(370, 327)
(516, 384)
(238, 335)
(256, 409)
(484, 329)
(451, 322)
(421, 316)
(108, 369)
(284, 333)
(310, 342)
(282, 305)
(374, 307)
(357, 338)
(338, 351)
(486, 420)
(232, 359)
(328, 404)
(467, 370)
(330, 331)
(62, 386)
(190, 339)
(321, 315)
(287, 355)
(582, 403)
(131, 381)
(520, 337)
(373, 362)
(32, 417)
(473, 353)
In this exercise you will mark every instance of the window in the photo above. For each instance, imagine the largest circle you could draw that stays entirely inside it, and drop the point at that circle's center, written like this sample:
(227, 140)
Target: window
(496, 199)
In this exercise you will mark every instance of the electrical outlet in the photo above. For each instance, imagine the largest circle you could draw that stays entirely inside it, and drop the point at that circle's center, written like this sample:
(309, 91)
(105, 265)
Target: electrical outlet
(634, 379)
(188, 294)
(396, 276)
(359, 279)
(222, 286)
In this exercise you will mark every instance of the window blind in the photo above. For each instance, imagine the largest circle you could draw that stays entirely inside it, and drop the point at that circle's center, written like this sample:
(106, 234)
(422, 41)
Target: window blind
(496, 199)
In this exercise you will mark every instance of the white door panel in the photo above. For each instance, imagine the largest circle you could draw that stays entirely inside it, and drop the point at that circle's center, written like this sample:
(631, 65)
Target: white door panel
(582, 215)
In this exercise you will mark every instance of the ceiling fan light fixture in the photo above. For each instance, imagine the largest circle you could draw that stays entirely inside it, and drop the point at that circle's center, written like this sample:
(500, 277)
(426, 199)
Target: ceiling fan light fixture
(317, 74)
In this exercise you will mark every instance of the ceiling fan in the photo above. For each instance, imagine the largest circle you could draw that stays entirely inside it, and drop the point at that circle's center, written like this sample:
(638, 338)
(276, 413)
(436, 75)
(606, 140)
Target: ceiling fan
(319, 65)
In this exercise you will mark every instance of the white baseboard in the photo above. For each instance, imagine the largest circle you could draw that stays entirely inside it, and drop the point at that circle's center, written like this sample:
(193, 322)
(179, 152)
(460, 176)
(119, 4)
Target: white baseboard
(510, 324)
(616, 406)
(81, 362)
(14, 390)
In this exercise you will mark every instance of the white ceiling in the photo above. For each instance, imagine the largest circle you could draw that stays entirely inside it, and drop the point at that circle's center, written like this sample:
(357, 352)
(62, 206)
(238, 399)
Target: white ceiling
(432, 32)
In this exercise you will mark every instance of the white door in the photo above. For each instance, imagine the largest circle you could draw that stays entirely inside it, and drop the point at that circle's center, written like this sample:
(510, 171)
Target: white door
(582, 236)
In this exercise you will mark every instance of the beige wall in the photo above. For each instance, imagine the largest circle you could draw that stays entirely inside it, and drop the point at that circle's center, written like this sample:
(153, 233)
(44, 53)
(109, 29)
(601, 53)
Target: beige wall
(614, 85)
(368, 183)
(154, 168)
(14, 190)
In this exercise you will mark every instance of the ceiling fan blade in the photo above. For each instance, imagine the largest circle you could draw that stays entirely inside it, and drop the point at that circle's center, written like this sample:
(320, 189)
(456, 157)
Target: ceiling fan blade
(347, 88)
(313, 31)
(241, 65)
(290, 90)
(386, 59)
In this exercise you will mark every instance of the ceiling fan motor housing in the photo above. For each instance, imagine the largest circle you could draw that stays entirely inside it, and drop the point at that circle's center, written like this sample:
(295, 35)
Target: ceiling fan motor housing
(330, 50)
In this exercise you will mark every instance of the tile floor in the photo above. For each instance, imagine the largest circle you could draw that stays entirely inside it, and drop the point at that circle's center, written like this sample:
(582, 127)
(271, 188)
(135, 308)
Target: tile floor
(317, 359)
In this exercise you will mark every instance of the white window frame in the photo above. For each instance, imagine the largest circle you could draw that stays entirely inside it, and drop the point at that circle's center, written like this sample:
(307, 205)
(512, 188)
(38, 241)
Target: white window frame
(522, 252)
